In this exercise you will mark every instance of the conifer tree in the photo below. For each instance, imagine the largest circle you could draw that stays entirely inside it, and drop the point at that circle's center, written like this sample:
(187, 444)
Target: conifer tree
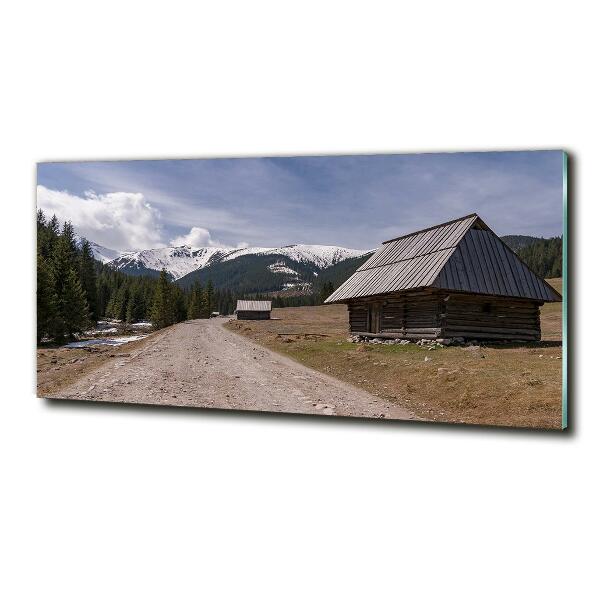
(73, 305)
(135, 305)
(197, 302)
(41, 219)
(131, 314)
(54, 226)
(192, 311)
(46, 299)
(87, 275)
(72, 310)
(42, 235)
(209, 297)
(68, 236)
(47, 234)
(326, 291)
(118, 309)
(162, 314)
(178, 304)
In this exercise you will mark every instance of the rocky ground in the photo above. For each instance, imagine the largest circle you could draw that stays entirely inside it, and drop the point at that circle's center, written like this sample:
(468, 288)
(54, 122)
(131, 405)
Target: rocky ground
(200, 363)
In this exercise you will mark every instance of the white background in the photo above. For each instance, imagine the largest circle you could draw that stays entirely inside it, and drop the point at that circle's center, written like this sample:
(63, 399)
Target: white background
(130, 503)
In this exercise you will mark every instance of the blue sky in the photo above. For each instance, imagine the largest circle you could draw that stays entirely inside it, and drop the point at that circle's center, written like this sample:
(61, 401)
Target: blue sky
(352, 201)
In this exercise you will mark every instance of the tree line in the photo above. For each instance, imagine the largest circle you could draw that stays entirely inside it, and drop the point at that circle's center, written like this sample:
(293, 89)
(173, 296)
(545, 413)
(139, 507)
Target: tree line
(543, 257)
(66, 281)
(74, 290)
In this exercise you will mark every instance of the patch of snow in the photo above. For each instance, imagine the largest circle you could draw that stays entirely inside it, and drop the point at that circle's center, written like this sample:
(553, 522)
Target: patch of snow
(104, 330)
(297, 285)
(104, 255)
(320, 256)
(178, 261)
(280, 267)
(115, 341)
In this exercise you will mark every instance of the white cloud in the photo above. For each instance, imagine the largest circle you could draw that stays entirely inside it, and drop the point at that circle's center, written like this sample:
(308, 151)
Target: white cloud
(200, 237)
(197, 237)
(119, 220)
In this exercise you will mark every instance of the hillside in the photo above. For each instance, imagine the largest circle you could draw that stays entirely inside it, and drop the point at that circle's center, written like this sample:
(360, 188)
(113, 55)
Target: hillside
(542, 255)
(516, 242)
(338, 273)
(298, 269)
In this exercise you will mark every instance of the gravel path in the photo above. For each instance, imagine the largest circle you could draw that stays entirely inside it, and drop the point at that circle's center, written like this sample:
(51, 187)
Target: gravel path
(200, 363)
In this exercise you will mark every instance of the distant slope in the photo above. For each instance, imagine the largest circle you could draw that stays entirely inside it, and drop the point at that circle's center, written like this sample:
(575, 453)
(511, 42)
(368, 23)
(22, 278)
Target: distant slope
(177, 261)
(251, 274)
(338, 273)
(102, 254)
(294, 269)
(181, 260)
(516, 242)
(265, 273)
(543, 257)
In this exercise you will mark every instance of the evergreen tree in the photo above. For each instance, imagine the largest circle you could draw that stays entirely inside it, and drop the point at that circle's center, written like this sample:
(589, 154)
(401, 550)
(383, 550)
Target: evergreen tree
(196, 305)
(162, 309)
(326, 291)
(47, 234)
(102, 296)
(87, 275)
(68, 235)
(41, 220)
(46, 299)
(72, 309)
(543, 257)
(209, 297)
(73, 305)
(54, 226)
(135, 305)
(178, 303)
(117, 308)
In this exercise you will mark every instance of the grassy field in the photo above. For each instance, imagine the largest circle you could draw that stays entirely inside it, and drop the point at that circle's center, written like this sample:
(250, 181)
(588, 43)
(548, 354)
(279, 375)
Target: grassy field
(514, 385)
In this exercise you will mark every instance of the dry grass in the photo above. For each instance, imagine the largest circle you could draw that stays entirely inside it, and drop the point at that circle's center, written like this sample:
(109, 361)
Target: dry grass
(552, 315)
(519, 386)
(59, 367)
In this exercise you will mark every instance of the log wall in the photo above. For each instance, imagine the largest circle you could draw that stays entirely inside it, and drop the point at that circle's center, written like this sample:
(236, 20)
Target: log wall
(412, 315)
(488, 317)
(431, 314)
(253, 315)
(358, 317)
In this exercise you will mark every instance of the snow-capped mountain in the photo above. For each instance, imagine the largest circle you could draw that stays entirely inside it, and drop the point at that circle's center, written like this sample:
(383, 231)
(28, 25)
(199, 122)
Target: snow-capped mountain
(298, 268)
(177, 261)
(104, 255)
(181, 260)
(320, 256)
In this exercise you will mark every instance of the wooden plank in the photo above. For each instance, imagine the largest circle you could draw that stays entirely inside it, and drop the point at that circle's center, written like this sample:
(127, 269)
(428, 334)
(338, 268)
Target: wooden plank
(491, 261)
(477, 271)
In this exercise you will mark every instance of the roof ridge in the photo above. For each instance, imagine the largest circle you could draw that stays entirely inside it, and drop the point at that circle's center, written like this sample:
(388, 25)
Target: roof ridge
(434, 227)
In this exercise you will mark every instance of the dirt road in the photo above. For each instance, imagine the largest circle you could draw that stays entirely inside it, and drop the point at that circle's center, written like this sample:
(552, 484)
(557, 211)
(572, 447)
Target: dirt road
(200, 363)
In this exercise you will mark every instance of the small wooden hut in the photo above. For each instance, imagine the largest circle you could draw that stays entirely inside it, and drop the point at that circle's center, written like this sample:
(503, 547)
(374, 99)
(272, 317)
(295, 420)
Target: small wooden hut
(253, 309)
(454, 280)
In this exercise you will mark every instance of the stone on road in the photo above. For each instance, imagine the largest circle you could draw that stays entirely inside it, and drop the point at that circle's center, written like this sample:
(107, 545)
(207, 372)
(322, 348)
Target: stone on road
(200, 363)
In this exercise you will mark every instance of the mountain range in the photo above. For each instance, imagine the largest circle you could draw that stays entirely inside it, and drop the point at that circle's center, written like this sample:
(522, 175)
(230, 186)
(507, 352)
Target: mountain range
(251, 270)
(294, 269)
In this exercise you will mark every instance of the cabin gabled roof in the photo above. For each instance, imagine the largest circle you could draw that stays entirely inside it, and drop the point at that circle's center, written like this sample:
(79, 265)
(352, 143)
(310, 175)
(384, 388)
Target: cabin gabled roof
(254, 305)
(463, 255)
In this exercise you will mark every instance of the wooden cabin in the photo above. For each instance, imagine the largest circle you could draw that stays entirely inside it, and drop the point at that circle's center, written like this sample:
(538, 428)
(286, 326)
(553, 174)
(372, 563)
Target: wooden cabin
(253, 309)
(454, 280)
